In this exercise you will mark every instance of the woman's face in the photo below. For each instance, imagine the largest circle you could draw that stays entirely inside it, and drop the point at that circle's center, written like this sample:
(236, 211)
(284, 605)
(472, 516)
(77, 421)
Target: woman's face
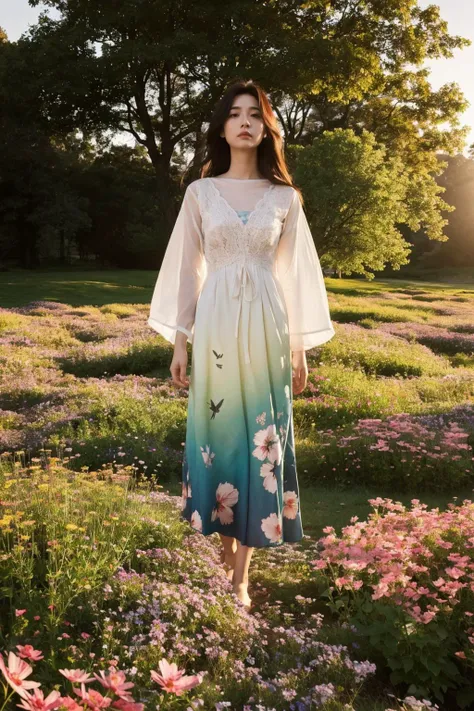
(244, 116)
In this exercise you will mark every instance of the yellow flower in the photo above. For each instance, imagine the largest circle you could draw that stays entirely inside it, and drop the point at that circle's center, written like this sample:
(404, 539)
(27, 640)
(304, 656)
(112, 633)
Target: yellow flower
(71, 527)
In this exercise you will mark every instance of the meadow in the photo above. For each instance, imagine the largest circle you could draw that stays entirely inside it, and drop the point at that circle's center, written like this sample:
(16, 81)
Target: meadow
(102, 585)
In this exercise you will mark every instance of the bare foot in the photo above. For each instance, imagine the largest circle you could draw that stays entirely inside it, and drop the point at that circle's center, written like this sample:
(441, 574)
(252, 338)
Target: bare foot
(242, 593)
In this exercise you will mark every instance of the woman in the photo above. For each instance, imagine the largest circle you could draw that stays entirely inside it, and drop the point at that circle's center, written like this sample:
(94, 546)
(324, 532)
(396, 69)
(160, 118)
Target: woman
(242, 282)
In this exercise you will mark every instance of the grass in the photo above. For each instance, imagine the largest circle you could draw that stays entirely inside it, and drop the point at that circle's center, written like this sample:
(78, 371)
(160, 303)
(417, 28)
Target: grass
(388, 412)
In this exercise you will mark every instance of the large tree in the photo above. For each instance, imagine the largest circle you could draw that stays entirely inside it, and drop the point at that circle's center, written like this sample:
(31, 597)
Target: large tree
(155, 68)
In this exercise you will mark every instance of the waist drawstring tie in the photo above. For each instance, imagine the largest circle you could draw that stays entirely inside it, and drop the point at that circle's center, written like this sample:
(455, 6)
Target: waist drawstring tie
(244, 288)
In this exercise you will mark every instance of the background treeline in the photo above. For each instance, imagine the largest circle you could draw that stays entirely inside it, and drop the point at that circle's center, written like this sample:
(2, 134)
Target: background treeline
(376, 150)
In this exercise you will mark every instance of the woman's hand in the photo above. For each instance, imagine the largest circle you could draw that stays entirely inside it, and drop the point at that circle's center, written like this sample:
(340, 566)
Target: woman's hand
(179, 363)
(300, 371)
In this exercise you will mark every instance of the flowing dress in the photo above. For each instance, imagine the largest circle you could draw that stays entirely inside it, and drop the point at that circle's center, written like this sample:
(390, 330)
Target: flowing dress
(242, 279)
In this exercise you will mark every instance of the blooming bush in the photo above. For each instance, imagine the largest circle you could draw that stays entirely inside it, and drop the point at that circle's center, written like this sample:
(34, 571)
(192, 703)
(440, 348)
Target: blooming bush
(405, 579)
(103, 583)
(171, 679)
(404, 451)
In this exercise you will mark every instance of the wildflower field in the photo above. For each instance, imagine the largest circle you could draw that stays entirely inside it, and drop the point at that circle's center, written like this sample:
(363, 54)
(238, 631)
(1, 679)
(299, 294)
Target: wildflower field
(109, 599)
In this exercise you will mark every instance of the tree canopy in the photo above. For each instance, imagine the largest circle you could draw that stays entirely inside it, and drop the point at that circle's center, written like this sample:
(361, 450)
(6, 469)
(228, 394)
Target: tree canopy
(154, 69)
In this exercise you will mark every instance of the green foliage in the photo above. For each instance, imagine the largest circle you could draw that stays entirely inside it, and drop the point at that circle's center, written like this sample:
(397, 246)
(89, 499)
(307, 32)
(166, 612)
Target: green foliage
(357, 195)
(402, 578)
(155, 70)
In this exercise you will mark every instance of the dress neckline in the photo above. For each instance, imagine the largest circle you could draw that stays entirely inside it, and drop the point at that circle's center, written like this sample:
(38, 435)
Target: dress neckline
(251, 213)
(240, 180)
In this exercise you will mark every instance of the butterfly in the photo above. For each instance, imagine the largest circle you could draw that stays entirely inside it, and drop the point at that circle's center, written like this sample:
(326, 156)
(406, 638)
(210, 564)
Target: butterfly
(215, 408)
(218, 355)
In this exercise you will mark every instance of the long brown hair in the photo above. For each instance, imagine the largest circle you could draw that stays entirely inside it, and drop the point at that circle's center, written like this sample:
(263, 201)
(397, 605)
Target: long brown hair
(270, 153)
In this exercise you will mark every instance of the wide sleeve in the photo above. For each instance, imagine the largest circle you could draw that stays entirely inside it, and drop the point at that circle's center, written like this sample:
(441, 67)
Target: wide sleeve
(301, 278)
(182, 273)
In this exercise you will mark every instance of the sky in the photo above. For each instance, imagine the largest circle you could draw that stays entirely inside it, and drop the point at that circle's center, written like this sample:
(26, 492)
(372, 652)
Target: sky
(16, 15)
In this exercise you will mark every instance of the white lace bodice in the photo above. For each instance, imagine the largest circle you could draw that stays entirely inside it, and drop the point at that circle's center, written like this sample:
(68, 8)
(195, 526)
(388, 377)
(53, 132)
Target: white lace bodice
(210, 241)
(227, 239)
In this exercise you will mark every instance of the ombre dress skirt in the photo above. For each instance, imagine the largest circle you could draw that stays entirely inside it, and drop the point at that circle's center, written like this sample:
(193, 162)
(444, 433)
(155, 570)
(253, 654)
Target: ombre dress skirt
(239, 474)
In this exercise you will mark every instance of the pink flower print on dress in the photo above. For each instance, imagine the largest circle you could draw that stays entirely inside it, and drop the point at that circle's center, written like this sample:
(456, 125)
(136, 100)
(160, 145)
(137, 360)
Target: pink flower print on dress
(272, 528)
(290, 508)
(196, 521)
(267, 471)
(261, 419)
(207, 455)
(226, 495)
(268, 445)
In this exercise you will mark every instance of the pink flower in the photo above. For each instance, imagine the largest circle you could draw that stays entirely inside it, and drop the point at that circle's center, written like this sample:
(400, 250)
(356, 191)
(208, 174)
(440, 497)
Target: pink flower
(18, 613)
(319, 564)
(116, 682)
(172, 680)
(93, 698)
(77, 676)
(37, 702)
(15, 674)
(85, 635)
(70, 704)
(124, 705)
(28, 652)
